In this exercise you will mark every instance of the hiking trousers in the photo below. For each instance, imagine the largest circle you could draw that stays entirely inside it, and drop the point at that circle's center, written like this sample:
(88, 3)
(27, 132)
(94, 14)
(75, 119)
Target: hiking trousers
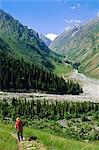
(20, 134)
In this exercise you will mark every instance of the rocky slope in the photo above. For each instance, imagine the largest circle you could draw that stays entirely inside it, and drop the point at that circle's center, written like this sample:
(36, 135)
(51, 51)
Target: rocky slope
(45, 39)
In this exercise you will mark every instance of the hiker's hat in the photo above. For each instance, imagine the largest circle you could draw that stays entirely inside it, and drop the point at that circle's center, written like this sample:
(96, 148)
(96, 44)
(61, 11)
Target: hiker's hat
(17, 118)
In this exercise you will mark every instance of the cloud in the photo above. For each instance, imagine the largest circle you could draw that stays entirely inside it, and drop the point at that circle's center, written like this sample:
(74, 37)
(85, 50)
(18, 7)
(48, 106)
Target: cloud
(67, 21)
(72, 7)
(51, 36)
(77, 21)
(71, 21)
(68, 28)
(76, 6)
(98, 13)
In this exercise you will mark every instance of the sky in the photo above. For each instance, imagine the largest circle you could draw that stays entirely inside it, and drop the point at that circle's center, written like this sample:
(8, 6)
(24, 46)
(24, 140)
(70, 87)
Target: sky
(51, 17)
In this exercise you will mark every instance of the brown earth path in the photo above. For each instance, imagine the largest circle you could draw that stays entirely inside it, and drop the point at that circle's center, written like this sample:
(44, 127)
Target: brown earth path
(29, 145)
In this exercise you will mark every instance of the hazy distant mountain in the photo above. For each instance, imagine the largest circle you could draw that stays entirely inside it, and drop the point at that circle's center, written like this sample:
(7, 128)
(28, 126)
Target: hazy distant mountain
(81, 45)
(45, 39)
(20, 41)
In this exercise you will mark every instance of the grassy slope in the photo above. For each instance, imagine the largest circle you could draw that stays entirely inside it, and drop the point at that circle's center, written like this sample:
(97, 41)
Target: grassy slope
(89, 66)
(59, 143)
(19, 50)
(24, 42)
(62, 68)
(7, 142)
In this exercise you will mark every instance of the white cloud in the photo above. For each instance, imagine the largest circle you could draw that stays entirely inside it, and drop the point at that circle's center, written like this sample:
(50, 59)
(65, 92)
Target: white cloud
(71, 21)
(98, 13)
(78, 5)
(72, 7)
(77, 21)
(68, 28)
(51, 36)
(67, 21)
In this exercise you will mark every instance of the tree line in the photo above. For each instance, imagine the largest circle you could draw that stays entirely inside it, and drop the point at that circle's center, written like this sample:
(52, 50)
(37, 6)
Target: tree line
(53, 110)
(17, 74)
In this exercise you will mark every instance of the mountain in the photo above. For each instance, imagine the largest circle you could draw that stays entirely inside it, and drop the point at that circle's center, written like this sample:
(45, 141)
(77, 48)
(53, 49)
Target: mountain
(19, 41)
(80, 45)
(45, 39)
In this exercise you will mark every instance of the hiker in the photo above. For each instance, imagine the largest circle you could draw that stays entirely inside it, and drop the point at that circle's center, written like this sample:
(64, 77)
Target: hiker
(19, 128)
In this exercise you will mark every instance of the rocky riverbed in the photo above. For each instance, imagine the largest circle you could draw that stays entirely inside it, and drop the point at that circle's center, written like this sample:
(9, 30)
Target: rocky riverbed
(90, 91)
(90, 86)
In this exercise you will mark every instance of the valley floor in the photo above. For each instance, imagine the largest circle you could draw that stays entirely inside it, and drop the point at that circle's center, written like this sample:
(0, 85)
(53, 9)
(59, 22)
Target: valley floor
(90, 88)
(29, 96)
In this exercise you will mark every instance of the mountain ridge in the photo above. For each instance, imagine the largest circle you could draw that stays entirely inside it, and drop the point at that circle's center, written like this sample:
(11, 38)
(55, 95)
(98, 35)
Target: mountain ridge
(46, 40)
(80, 45)
(25, 42)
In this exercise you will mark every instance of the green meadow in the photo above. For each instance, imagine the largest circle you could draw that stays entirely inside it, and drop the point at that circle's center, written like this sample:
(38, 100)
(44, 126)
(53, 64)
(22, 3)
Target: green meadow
(52, 142)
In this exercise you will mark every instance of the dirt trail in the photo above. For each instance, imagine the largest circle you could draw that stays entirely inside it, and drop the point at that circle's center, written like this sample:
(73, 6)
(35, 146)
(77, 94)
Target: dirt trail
(29, 145)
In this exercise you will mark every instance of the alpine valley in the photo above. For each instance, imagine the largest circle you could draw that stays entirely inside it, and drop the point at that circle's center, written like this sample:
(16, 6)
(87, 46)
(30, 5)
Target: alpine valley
(39, 85)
